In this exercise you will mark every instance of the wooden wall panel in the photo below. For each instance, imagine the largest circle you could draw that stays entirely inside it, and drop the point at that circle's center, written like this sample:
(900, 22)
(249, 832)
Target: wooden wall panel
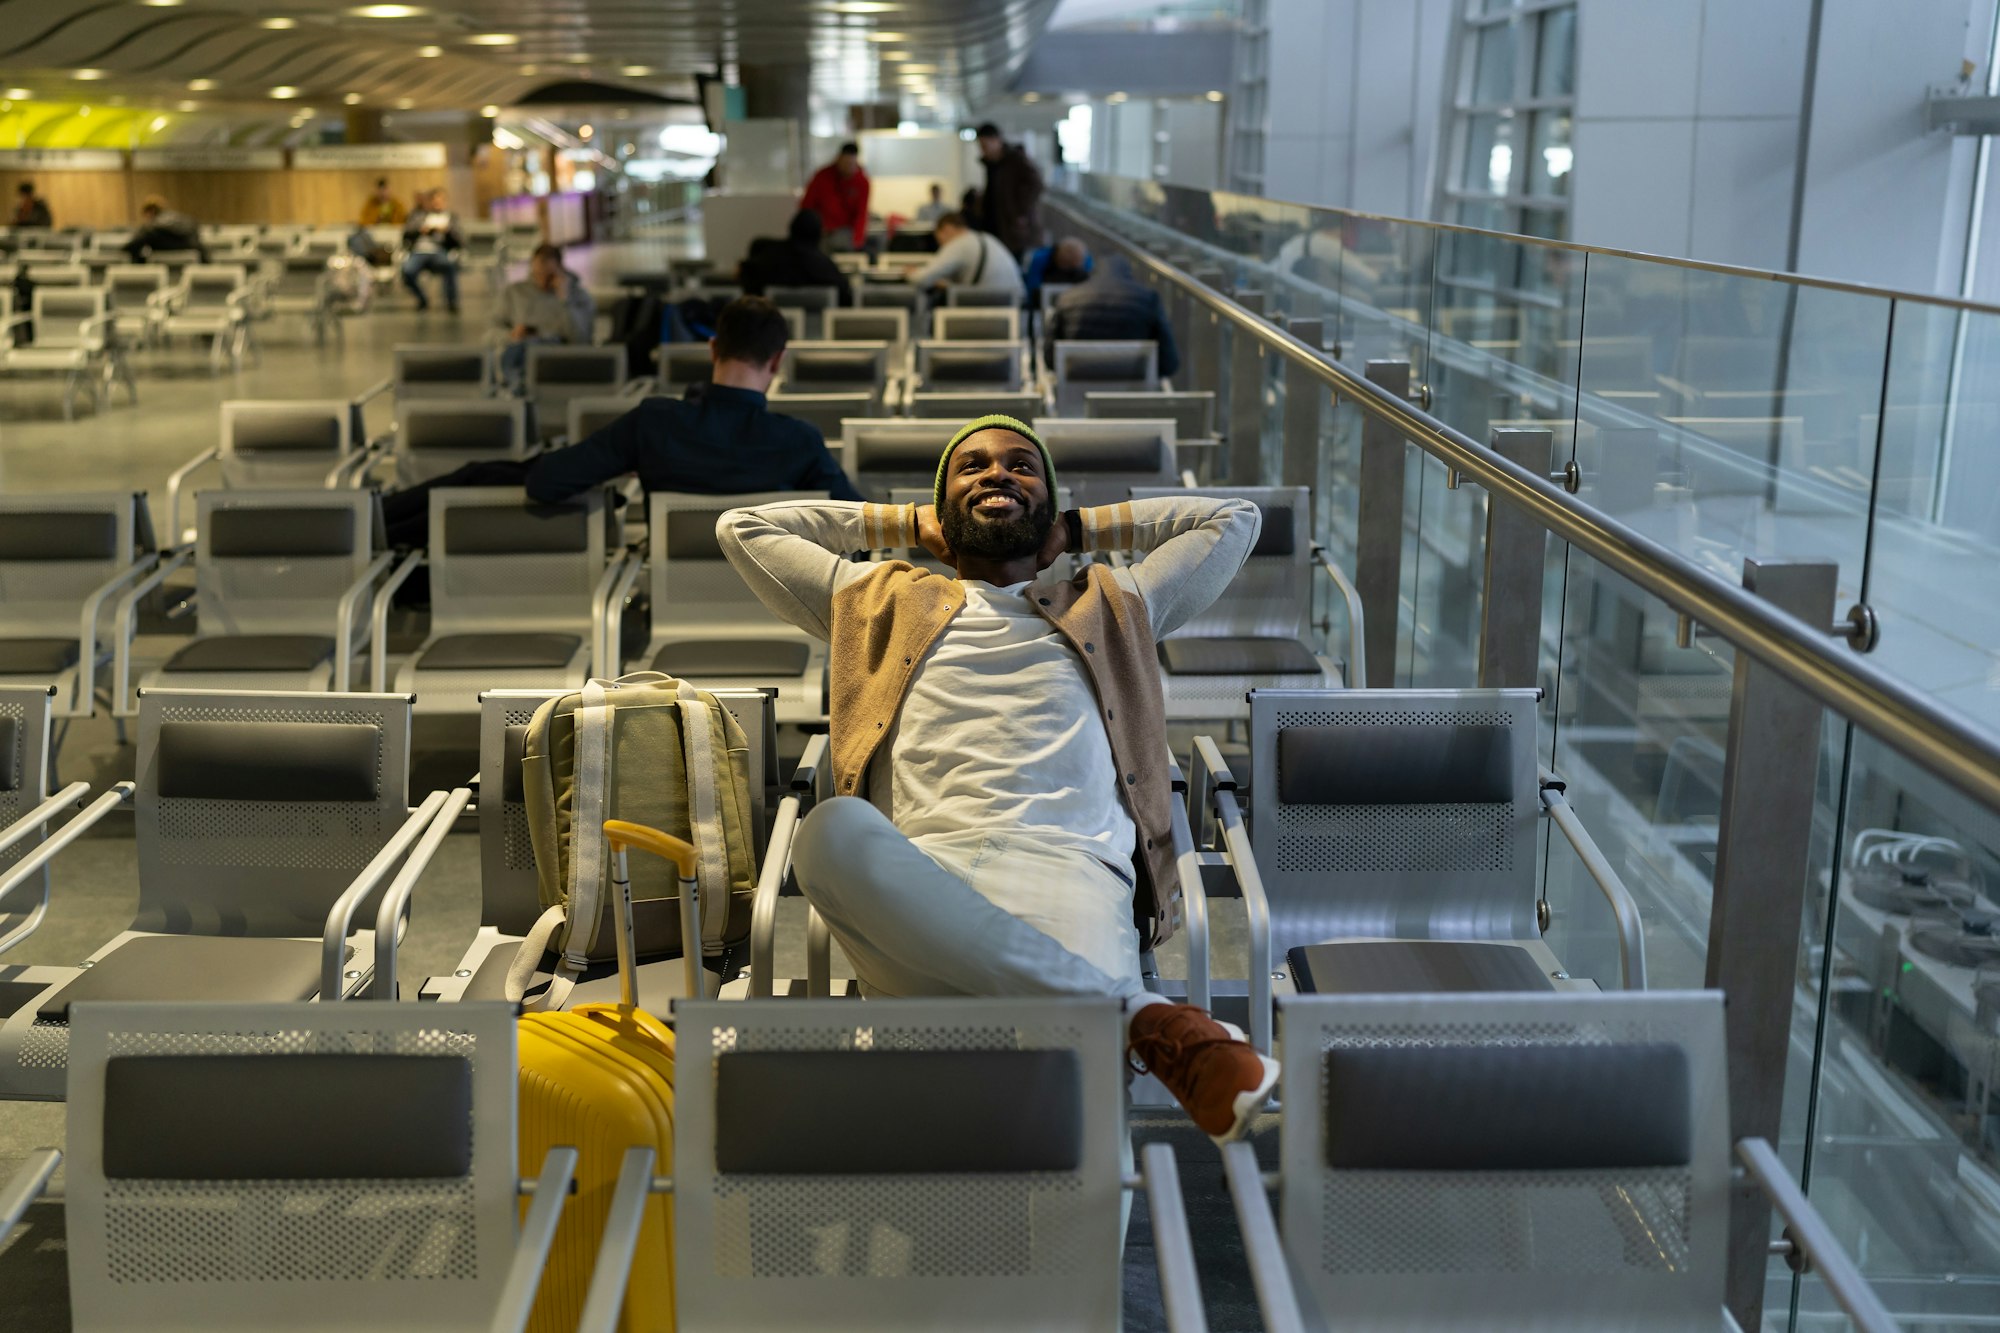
(217, 196)
(324, 196)
(76, 198)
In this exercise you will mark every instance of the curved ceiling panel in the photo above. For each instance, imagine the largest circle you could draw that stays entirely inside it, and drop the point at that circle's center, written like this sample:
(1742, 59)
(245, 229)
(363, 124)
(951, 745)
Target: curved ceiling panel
(458, 54)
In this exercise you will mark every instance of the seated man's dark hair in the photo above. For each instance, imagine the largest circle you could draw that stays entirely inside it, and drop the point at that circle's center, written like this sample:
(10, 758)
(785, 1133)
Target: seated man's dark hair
(951, 219)
(750, 329)
(549, 251)
(849, 149)
(987, 130)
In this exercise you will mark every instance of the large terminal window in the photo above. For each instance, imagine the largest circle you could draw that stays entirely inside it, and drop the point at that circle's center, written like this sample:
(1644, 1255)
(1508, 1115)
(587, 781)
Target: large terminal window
(1508, 161)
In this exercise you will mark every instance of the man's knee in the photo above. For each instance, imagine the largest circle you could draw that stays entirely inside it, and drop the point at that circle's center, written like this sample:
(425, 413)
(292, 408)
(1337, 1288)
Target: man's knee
(827, 834)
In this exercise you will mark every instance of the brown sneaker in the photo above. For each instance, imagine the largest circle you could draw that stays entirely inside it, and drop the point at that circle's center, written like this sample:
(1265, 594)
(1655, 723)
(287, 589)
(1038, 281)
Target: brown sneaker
(1218, 1078)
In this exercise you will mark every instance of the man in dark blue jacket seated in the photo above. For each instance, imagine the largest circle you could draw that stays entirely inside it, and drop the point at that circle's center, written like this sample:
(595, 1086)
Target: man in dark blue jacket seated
(1112, 306)
(722, 439)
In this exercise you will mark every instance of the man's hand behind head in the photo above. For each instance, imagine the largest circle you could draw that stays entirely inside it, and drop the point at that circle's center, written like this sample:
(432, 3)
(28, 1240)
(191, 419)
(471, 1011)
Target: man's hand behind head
(930, 536)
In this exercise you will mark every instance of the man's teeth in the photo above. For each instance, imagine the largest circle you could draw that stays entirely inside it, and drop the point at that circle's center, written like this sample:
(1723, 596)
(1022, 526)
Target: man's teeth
(996, 501)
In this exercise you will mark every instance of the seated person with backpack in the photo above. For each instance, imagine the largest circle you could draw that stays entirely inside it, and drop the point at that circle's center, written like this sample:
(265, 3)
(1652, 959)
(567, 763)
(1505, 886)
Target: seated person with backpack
(722, 439)
(1002, 821)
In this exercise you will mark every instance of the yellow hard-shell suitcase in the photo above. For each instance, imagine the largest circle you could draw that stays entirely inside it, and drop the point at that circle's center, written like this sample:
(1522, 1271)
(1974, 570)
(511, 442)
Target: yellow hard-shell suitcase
(600, 1078)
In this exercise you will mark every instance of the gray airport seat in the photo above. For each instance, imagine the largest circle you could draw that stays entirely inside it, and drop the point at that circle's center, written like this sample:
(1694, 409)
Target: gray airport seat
(956, 1165)
(64, 557)
(1259, 634)
(557, 373)
(443, 371)
(983, 298)
(1392, 842)
(825, 411)
(299, 285)
(682, 366)
(509, 890)
(481, 254)
(75, 337)
(1507, 1163)
(264, 822)
(880, 453)
(708, 627)
(897, 296)
(1192, 412)
(867, 324)
(238, 1167)
(46, 270)
(282, 582)
(518, 595)
(975, 324)
(587, 416)
(435, 436)
(968, 366)
(961, 407)
(138, 298)
(1085, 367)
(830, 367)
(27, 753)
(1104, 460)
(279, 444)
(212, 301)
(811, 302)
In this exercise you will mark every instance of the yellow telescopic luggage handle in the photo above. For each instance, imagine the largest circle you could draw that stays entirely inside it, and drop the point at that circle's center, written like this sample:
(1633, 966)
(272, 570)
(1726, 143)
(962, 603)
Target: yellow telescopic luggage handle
(623, 834)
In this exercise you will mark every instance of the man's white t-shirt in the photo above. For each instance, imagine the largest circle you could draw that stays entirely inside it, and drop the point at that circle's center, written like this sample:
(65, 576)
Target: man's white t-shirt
(976, 260)
(1001, 732)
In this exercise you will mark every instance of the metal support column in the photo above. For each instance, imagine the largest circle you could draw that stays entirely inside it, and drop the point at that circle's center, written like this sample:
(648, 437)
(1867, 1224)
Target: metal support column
(1246, 399)
(1205, 337)
(1298, 464)
(1761, 866)
(1510, 607)
(1378, 539)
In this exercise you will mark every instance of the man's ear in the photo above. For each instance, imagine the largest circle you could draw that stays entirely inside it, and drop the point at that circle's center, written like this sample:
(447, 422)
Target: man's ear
(714, 357)
(777, 363)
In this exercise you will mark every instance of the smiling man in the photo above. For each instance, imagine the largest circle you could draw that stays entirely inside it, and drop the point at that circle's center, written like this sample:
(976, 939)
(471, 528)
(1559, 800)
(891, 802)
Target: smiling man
(1001, 824)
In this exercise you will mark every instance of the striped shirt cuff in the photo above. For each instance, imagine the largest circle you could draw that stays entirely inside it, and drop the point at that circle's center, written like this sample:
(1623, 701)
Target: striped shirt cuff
(886, 527)
(1107, 527)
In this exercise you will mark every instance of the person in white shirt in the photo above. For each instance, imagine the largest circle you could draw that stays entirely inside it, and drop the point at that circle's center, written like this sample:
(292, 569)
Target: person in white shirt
(432, 238)
(968, 258)
(936, 208)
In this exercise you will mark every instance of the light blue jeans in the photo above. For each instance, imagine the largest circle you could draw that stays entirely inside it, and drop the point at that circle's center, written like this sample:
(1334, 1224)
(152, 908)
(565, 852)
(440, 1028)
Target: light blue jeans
(1005, 915)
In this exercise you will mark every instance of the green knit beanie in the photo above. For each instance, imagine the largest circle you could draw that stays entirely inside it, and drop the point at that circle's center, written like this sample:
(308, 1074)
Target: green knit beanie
(993, 422)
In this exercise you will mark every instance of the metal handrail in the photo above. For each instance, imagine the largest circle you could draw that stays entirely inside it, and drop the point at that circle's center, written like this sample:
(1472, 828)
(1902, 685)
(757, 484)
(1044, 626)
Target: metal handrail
(1929, 734)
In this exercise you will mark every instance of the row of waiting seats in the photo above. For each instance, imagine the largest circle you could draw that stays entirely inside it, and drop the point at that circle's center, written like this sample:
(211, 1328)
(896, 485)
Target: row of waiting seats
(294, 587)
(268, 826)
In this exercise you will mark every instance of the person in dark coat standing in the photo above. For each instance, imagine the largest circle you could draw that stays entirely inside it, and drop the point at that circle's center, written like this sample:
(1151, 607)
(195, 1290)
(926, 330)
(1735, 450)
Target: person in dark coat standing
(1010, 206)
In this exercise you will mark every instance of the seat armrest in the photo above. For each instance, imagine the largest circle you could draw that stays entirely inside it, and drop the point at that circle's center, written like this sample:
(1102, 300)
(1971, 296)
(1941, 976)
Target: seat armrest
(1269, 1274)
(1256, 910)
(613, 1269)
(176, 482)
(378, 621)
(1624, 908)
(1355, 677)
(1173, 1246)
(333, 937)
(31, 864)
(611, 625)
(26, 1185)
(1813, 1242)
(600, 598)
(389, 917)
(344, 617)
(124, 626)
(1194, 894)
(69, 798)
(531, 1247)
(81, 694)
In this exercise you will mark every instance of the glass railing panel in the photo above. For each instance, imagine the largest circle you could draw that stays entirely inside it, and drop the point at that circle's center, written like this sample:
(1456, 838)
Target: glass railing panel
(1905, 1157)
(1446, 584)
(1934, 562)
(1641, 727)
(1723, 412)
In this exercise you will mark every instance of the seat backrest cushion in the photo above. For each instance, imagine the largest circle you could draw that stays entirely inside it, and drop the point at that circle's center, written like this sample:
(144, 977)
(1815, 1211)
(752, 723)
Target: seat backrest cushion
(1387, 764)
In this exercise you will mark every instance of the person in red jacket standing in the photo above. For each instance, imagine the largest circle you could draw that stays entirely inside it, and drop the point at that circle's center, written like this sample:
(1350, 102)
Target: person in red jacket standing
(838, 192)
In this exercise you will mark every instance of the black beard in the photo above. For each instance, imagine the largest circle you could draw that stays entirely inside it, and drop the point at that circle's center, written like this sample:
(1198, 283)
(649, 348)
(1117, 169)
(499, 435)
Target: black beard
(996, 538)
